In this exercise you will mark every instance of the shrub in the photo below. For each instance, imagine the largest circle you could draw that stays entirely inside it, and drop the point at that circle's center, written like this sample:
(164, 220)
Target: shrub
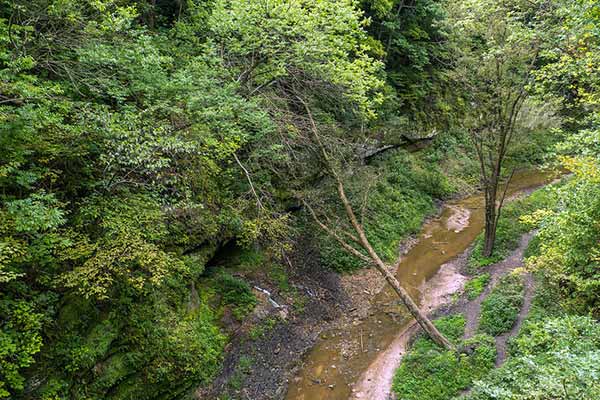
(500, 309)
(477, 285)
(555, 359)
(430, 372)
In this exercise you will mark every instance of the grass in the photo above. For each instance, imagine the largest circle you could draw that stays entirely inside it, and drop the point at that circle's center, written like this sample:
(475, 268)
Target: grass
(432, 373)
(477, 285)
(242, 369)
(499, 311)
(260, 330)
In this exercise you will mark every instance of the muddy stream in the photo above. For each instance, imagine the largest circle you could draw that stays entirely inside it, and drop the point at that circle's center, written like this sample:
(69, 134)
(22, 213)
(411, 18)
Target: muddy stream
(357, 360)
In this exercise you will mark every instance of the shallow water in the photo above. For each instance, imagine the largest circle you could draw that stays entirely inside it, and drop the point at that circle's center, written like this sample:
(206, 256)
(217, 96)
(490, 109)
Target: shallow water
(342, 356)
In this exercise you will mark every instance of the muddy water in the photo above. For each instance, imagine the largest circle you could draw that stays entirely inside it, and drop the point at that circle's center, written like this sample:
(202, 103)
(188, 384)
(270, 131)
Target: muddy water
(345, 356)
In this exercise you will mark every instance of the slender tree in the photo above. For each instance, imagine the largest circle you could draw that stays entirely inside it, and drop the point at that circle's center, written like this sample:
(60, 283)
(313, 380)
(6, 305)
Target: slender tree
(498, 48)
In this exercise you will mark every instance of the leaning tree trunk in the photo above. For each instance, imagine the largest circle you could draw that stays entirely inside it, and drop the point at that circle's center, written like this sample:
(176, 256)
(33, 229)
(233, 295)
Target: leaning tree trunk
(362, 240)
(412, 307)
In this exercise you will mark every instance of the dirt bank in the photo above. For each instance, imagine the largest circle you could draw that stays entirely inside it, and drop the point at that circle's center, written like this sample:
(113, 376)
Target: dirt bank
(325, 301)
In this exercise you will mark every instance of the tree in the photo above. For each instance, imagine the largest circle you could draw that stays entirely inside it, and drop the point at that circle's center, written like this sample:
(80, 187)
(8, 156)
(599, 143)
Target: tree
(360, 238)
(498, 48)
(290, 54)
(569, 251)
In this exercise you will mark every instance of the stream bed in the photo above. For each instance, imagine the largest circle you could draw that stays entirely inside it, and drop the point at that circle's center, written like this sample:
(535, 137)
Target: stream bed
(358, 359)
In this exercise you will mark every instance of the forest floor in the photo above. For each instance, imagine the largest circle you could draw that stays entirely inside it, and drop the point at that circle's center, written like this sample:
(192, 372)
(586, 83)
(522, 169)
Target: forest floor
(330, 300)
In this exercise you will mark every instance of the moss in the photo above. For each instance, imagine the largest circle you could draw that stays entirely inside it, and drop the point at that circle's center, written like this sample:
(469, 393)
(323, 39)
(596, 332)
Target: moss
(236, 293)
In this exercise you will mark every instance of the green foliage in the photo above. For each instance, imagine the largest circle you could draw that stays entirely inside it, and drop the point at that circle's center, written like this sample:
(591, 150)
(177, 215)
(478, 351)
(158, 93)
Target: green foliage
(453, 152)
(236, 293)
(500, 309)
(392, 182)
(20, 341)
(415, 49)
(451, 326)
(477, 285)
(511, 227)
(567, 254)
(137, 137)
(569, 234)
(553, 359)
(427, 371)
(299, 40)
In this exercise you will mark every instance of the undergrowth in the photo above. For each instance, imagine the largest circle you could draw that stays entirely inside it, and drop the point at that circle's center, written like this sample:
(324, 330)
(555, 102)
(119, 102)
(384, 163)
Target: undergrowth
(402, 196)
(552, 359)
(431, 372)
(500, 309)
(477, 285)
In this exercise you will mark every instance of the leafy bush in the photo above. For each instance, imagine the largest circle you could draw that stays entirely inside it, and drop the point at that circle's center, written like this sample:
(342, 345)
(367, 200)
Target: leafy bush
(430, 372)
(477, 285)
(569, 237)
(500, 309)
(452, 326)
(20, 340)
(555, 359)
(237, 293)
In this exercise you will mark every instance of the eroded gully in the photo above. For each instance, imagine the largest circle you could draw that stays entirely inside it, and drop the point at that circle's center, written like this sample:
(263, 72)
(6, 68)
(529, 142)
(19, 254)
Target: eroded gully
(358, 359)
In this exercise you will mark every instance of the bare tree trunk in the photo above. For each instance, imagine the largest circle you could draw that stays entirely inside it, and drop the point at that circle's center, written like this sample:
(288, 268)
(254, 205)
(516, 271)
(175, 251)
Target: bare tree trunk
(412, 307)
(362, 241)
(490, 217)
